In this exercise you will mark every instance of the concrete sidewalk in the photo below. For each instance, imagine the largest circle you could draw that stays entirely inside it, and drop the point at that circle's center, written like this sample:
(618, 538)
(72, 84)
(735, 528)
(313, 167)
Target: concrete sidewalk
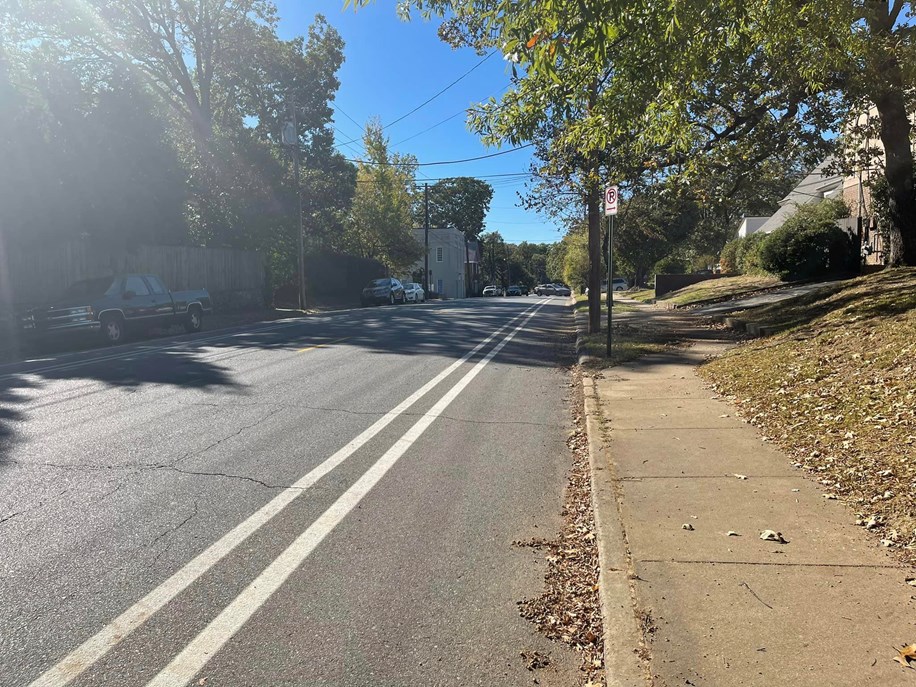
(826, 608)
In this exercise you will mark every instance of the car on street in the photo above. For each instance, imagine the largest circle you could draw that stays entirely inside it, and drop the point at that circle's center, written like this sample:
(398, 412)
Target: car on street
(516, 290)
(545, 290)
(561, 290)
(110, 306)
(414, 292)
(621, 284)
(492, 291)
(385, 290)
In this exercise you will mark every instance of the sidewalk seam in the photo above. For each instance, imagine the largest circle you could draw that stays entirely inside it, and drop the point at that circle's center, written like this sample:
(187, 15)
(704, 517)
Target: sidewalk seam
(625, 646)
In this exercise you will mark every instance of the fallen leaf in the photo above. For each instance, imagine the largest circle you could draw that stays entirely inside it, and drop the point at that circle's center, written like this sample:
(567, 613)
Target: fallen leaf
(905, 655)
(732, 533)
(830, 497)
(911, 581)
(740, 476)
(687, 526)
(772, 535)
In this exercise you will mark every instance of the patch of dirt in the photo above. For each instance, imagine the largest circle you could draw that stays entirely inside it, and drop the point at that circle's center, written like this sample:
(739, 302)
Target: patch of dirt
(568, 610)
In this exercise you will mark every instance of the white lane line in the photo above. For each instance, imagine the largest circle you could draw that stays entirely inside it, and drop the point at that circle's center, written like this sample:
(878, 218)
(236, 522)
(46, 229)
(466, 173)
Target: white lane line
(94, 648)
(222, 628)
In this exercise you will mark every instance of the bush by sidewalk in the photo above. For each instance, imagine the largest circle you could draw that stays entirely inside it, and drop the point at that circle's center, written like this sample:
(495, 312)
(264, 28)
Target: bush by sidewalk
(838, 391)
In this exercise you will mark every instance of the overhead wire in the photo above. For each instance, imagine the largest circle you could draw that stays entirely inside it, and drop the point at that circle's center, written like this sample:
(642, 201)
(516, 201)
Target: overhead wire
(436, 95)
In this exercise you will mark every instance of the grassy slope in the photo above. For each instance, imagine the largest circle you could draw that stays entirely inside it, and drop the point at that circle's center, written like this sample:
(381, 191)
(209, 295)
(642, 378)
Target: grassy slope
(722, 289)
(839, 391)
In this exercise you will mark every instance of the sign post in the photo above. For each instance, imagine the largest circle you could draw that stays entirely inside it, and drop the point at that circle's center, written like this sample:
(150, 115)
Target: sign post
(610, 209)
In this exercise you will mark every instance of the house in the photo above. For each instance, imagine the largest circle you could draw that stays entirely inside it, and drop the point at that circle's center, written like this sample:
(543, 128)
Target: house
(452, 262)
(818, 185)
(749, 225)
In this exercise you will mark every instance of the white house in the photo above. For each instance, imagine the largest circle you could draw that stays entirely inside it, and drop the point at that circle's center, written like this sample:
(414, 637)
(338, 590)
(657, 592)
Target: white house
(749, 225)
(447, 255)
(814, 188)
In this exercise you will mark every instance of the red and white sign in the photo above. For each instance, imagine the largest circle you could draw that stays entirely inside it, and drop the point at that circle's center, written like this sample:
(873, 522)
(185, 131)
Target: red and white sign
(610, 201)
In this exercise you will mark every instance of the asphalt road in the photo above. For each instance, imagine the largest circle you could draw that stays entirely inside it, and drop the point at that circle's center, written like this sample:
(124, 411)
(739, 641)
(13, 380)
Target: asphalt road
(326, 501)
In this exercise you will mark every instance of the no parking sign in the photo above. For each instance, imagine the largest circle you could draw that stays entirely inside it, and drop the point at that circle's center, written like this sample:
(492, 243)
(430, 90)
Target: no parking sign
(610, 201)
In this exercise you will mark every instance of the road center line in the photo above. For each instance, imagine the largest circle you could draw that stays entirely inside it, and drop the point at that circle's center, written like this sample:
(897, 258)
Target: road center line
(321, 345)
(222, 628)
(94, 648)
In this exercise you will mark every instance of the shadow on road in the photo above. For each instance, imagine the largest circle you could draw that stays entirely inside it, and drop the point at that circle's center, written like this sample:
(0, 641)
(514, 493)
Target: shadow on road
(203, 362)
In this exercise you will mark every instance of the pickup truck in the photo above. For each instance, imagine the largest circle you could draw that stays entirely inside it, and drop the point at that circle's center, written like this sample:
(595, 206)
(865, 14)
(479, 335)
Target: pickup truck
(110, 306)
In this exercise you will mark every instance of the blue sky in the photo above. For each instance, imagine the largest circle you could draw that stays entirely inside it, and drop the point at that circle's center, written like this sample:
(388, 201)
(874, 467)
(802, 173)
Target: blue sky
(391, 67)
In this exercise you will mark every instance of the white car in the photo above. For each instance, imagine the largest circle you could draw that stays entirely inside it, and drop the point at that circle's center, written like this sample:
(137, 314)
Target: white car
(414, 293)
(492, 291)
(562, 290)
(621, 284)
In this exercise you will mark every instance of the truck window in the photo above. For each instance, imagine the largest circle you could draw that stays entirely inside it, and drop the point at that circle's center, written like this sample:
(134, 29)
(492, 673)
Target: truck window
(137, 285)
(155, 285)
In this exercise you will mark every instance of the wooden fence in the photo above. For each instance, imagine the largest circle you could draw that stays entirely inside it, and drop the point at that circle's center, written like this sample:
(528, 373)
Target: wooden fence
(35, 274)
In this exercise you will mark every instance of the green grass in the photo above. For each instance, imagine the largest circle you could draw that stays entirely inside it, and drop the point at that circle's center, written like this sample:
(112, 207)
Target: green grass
(723, 289)
(838, 391)
(582, 305)
(630, 342)
(642, 295)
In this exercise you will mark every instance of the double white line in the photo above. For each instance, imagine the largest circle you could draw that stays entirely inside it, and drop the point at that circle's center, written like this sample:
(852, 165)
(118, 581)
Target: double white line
(203, 647)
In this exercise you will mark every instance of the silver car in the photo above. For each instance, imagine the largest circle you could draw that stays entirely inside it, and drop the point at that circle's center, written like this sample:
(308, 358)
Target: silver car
(414, 293)
(562, 290)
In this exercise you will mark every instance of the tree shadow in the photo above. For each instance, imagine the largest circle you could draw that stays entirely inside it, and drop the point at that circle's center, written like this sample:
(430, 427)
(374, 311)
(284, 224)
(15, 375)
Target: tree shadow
(204, 361)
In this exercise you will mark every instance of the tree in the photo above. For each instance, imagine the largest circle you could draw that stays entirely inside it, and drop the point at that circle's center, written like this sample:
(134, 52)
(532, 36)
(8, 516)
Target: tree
(461, 203)
(653, 223)
(380, 220)
(699, 85)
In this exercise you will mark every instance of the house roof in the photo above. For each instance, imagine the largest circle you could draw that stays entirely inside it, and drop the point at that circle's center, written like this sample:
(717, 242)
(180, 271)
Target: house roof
(812, 189)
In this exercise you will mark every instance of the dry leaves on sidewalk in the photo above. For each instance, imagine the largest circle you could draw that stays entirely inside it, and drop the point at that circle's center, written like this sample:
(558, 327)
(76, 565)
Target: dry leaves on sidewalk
(772, 535)
(905, 655)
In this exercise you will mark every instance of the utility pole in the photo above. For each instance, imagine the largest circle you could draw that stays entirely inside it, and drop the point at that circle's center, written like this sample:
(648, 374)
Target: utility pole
(290, 138)
(426, 238)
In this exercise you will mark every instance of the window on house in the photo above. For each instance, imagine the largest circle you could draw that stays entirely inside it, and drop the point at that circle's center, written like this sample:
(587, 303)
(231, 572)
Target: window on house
(439, 254)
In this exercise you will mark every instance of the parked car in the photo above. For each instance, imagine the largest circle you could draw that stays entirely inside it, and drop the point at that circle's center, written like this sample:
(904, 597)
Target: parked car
(492, 291)
(621, 284)
(562, 290)
(414, 293)
(113, 305)
(385, 290)
(515, 290)
(545, 290)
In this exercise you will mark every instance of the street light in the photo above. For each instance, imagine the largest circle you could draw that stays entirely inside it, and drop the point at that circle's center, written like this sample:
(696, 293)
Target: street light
(290, 138)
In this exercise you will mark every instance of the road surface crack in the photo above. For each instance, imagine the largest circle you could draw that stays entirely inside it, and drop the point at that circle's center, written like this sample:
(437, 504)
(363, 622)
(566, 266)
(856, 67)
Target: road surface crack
(226, 475)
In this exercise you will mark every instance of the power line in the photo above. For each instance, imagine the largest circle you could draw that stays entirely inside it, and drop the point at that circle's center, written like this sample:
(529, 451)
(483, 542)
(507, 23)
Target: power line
(339, 109)
(429, 100)
(442, 162)
(447, 119)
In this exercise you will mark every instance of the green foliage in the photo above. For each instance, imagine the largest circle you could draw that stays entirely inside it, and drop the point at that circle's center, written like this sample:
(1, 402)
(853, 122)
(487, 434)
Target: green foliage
(159, 122)
(381, 217)
(748, 254)
(461, 203)
(576, 260)
(728, 258)
(810, 244)
(672, 264)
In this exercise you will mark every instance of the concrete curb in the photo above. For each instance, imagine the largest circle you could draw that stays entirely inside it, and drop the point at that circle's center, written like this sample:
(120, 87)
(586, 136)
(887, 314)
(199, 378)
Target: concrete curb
(582, 357)
(622, 636)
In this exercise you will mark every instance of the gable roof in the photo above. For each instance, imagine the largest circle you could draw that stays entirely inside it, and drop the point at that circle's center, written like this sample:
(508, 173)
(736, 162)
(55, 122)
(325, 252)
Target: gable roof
(814, 188)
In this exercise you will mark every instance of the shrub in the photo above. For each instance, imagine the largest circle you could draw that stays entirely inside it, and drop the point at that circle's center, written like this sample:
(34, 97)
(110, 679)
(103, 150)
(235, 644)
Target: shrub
(728, 258)
(670, 265)
(748, 254)
(810, 244)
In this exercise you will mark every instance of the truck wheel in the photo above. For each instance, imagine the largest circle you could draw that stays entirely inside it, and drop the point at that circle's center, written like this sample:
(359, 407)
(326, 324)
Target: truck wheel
(194, 321)
(113, 329)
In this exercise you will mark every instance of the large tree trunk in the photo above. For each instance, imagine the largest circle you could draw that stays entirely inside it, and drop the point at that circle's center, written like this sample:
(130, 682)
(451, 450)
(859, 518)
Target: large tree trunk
(895, 135)
(593, 208)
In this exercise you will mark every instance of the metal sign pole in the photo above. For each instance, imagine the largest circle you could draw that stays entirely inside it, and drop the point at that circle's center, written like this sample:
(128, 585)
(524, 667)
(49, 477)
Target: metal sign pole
(610, 285)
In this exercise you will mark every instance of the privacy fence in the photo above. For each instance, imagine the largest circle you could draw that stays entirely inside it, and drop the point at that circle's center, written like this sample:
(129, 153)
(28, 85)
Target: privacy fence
(34, 274)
